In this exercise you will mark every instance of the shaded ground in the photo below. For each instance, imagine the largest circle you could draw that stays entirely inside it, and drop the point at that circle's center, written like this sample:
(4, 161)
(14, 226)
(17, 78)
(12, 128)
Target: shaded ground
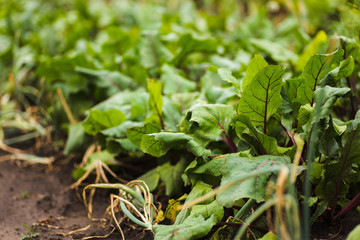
(37, 196)
(338, 230)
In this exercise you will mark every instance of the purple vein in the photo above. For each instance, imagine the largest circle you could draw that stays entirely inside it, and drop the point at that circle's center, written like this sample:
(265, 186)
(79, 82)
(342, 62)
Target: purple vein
(226, 138)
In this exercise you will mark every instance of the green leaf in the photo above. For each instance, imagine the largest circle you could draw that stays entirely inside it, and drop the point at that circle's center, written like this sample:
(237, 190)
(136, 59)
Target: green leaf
(195, 222)
(261, 98)
(191, 228)
(172, 115)
(226, 75)
(312, 48)
(207, 210)
(220, 95)
(254, 66)
(325, 97)
(158, 144)
(174, 82)
(122, 101)
(320, 209)
(269, 236)
(208, 120)
(63, 69)
(290, 93)
(155, 100)
(75, 140)
(315, 69)
(354, 234)
(171, 176)
(277, 51)
(303, 118)
(5, 44)
(224, 233)
(121, 145)
(337, 171)
(139, 106)
(189, 43)
(120, 131)
(346, 68)
(329, 141)
(152, 52)
(151, 178)
(135, 134)
(199, 189)
(232, 166)
(262, 143)
(98, 120)
(113, 82)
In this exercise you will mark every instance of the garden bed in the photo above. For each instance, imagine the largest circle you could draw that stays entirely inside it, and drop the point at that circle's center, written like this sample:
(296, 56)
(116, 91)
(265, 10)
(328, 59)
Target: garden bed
(40, 197)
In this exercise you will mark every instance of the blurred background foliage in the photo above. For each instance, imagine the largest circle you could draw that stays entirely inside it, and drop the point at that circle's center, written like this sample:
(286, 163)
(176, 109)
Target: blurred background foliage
(91, 49)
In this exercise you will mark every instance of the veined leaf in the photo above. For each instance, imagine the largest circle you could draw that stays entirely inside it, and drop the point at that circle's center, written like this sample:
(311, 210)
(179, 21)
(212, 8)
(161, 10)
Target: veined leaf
(191, 228)
(325, 97)
(155, 101)
(98, 120)
(232, 166)
(346, 68)
(315, 70)
(158, 144)
(262, 143)
(336, 171)
(291, 101)
(254, 66)
(208, 120)
(261, 98)
(208, 210)
(152, 52)
(329, 140)
(195, 222)
(174, 82)
(135, 134)
(199, 189)
(277, 51)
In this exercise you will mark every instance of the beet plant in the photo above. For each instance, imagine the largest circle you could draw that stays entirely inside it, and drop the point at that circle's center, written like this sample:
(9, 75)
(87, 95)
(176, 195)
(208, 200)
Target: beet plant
(243, 116)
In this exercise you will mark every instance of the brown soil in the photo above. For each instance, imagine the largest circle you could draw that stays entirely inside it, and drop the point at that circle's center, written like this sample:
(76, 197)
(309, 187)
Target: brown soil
(39, 197)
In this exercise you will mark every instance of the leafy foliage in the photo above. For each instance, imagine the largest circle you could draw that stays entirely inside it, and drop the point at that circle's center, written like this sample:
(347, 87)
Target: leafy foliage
(214, 94)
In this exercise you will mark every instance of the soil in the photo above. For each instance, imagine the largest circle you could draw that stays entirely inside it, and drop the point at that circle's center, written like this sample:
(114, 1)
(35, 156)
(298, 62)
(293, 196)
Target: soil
(39, 197)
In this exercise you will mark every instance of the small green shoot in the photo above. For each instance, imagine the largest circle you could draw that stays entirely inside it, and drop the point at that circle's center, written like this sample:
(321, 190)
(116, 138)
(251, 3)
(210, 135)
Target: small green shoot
(31, 234)
(22, 195)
